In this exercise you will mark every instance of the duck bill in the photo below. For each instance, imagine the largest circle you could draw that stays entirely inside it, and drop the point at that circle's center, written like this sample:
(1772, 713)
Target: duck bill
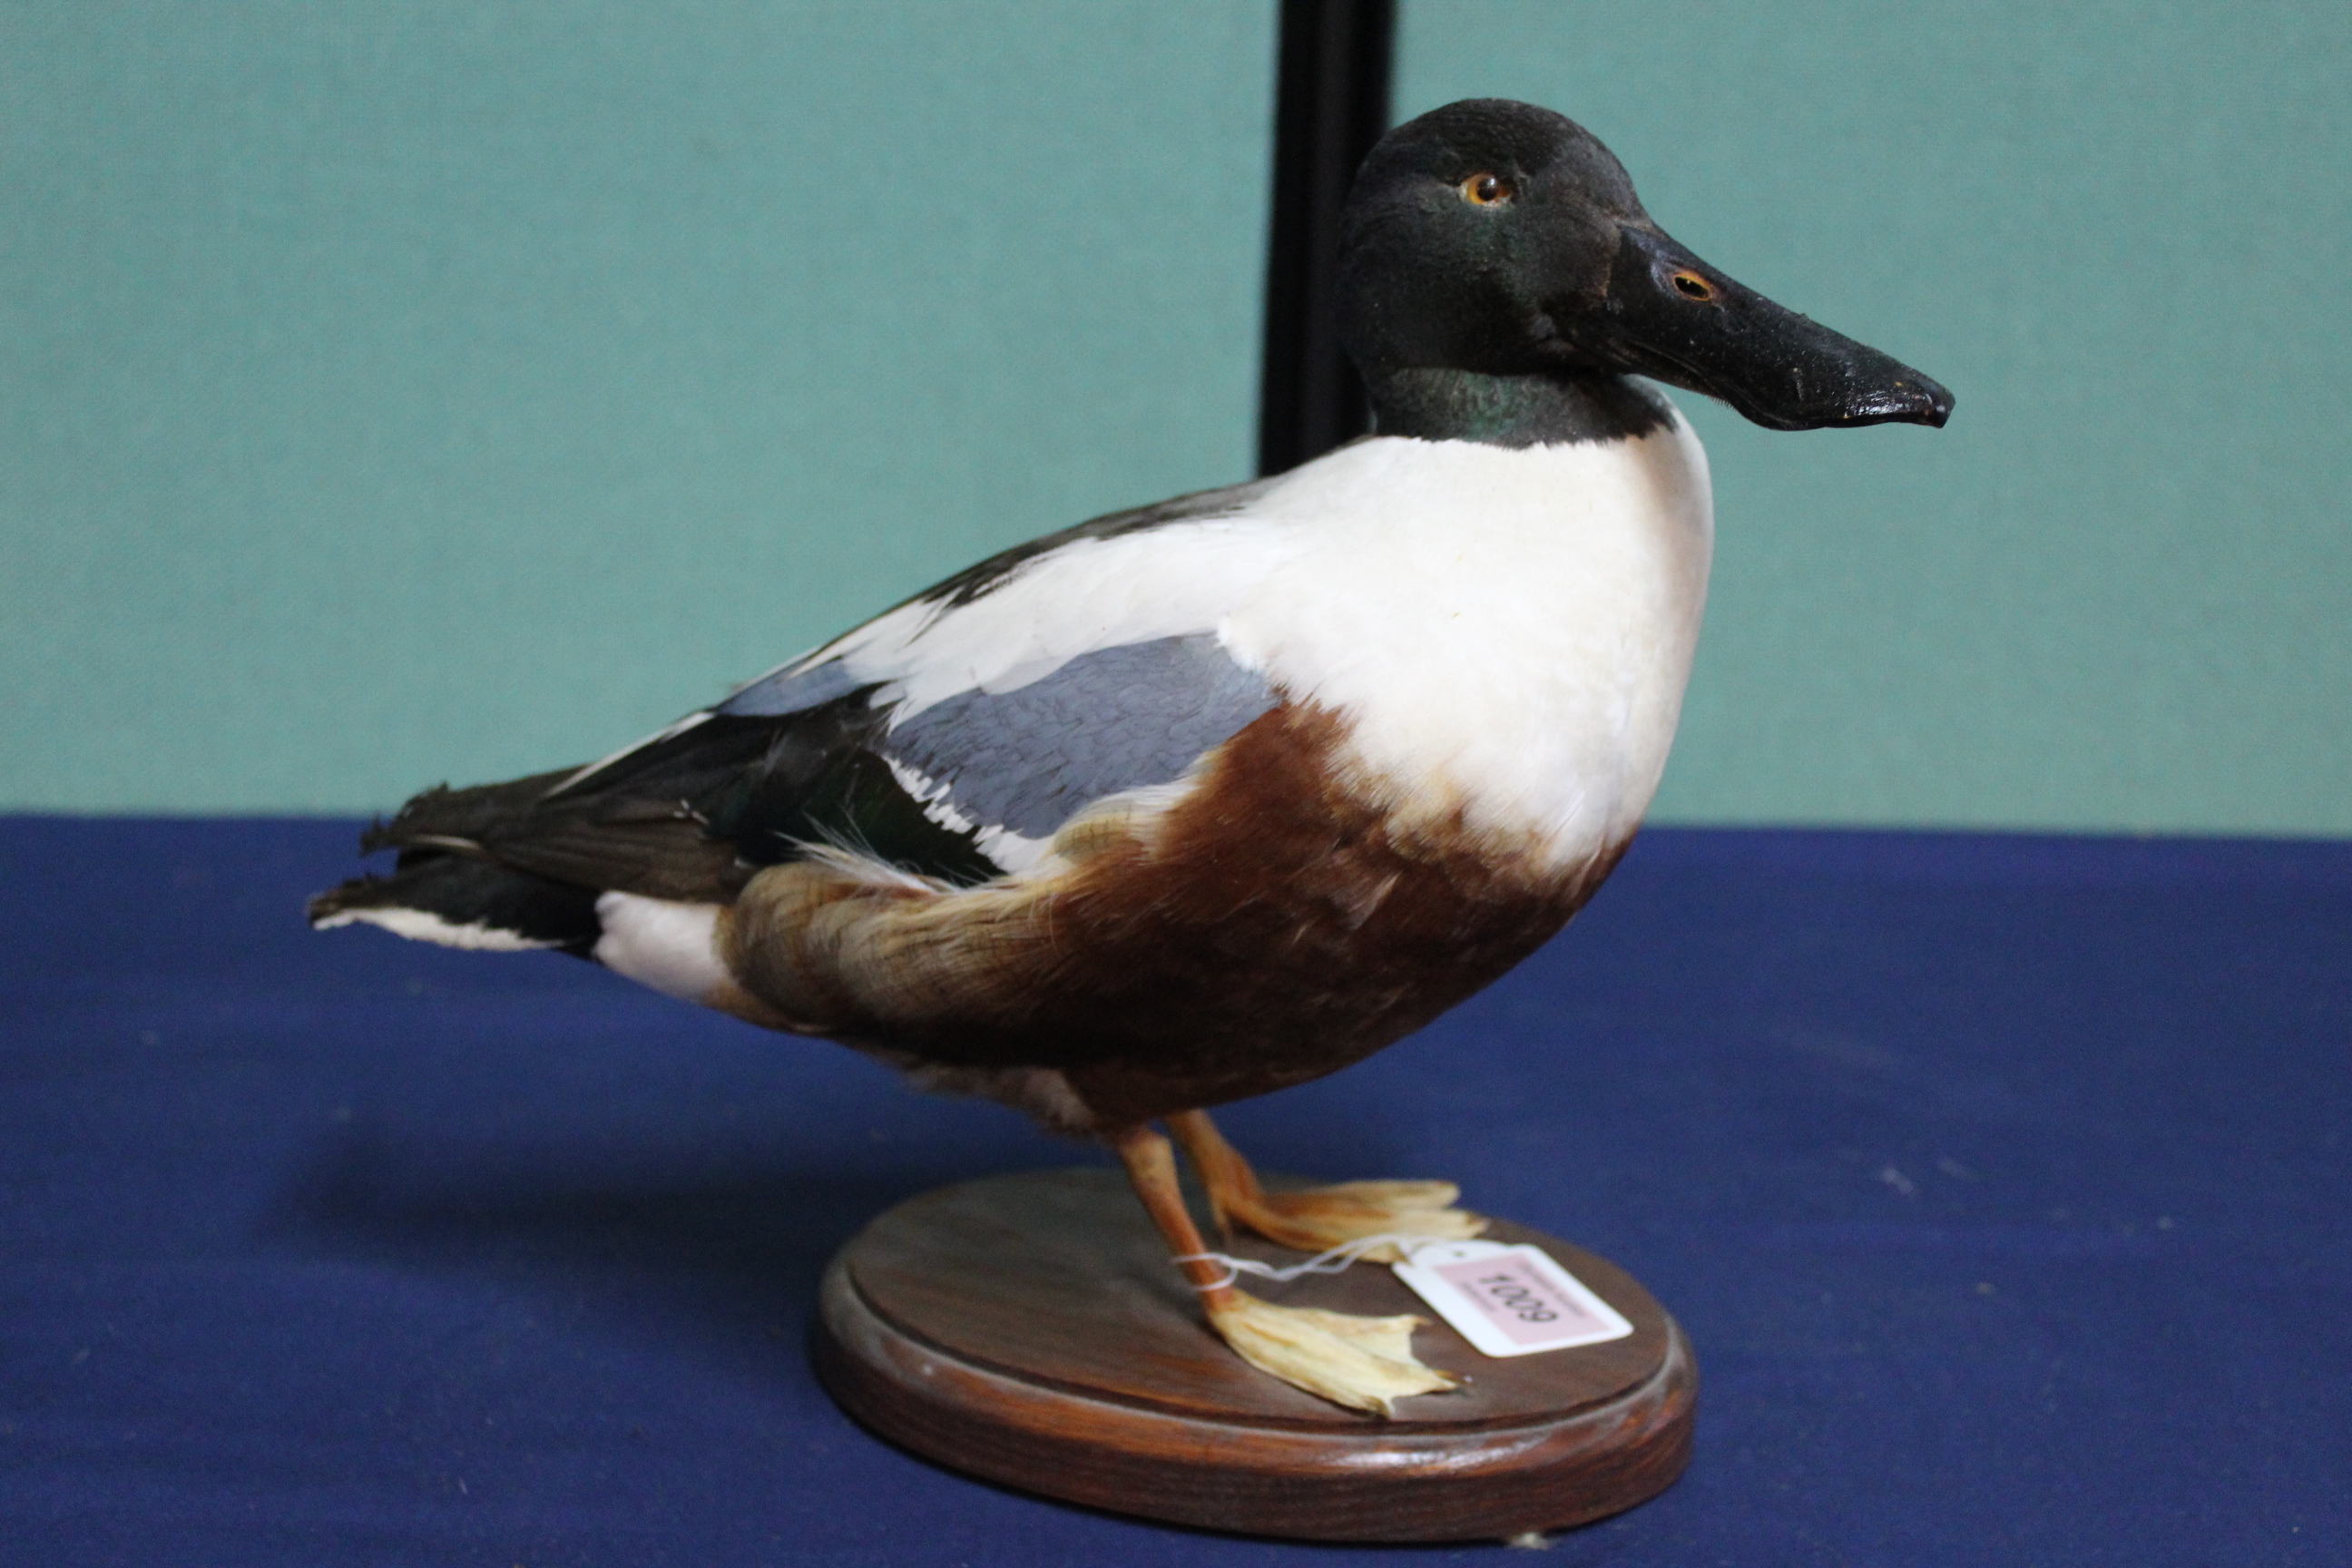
(1672, 317)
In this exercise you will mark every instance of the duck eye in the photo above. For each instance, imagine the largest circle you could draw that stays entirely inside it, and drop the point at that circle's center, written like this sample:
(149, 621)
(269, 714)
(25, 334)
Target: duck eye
(1691, 285)
(1486, 190)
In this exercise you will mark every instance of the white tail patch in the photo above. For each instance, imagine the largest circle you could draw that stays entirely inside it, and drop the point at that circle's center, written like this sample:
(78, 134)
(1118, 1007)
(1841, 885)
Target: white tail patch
(417, 925)
(672, 947)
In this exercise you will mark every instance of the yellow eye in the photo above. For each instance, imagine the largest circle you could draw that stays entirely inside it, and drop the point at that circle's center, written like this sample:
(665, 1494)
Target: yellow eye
(1691, 285)
(1486, 190)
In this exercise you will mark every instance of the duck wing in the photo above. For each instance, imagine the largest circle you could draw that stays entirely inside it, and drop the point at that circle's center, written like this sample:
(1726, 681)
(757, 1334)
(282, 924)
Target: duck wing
(949, 738)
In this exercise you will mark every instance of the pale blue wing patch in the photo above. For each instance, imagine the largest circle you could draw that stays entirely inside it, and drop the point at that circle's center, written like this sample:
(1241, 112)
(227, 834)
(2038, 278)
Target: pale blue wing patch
(1028, 759)
(791, 691)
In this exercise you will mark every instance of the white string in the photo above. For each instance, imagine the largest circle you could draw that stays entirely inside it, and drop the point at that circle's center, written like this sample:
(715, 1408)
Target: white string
(1330, 1262)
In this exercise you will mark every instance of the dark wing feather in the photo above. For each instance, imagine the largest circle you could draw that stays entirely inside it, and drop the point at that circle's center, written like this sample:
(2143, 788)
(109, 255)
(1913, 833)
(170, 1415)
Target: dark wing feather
(807, 755)
(1024, 760)
(696, 814)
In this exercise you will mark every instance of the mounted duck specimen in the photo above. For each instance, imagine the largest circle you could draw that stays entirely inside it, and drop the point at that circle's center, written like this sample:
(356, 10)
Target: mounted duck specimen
(1198, 801)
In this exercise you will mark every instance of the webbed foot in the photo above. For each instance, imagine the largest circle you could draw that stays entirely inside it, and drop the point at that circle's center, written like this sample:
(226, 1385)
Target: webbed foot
(1363, 1363)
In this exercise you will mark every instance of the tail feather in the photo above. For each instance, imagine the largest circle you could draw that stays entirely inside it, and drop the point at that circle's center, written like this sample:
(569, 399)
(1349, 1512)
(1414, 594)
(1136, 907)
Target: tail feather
(521, 863)
(459, 901)
(622, 840)
(473, 814)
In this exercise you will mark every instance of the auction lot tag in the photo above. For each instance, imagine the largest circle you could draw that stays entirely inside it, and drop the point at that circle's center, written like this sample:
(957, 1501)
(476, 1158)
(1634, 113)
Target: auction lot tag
(1509, 1300)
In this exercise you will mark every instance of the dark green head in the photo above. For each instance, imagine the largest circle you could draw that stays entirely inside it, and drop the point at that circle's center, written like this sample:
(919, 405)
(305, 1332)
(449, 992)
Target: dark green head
(1494, 239)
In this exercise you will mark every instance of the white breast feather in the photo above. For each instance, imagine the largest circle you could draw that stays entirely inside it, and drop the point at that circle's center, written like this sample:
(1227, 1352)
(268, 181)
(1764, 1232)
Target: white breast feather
(1509, 631)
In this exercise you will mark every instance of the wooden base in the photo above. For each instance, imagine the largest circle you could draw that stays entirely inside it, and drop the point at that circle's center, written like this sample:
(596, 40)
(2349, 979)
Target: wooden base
(1030, 1329)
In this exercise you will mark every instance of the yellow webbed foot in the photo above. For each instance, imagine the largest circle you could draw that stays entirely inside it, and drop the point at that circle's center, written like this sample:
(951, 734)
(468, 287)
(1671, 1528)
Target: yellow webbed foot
(1363, 1363)
(1318, 1218)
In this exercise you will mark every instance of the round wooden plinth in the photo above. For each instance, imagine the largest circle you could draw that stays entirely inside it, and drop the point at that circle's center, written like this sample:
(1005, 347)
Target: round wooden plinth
(1031, 1330)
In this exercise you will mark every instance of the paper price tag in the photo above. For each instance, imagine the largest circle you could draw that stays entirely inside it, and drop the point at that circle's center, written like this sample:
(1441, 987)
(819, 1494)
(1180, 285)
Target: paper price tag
(1509, 1300)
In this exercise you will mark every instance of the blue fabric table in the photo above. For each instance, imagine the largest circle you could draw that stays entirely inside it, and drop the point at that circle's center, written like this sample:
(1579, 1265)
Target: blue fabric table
(2000, 1183)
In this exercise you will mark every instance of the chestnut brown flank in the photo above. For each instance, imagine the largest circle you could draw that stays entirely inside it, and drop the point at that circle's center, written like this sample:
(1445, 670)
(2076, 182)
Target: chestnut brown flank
(1266, 930)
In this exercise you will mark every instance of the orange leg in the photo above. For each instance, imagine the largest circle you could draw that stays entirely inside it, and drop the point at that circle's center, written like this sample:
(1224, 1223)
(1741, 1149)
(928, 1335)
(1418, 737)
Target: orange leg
(1151, 1168)
(1318, 1218)
(1364, 1363)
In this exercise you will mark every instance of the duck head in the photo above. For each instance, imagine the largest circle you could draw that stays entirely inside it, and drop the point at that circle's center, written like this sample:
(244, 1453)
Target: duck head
(1495, 262)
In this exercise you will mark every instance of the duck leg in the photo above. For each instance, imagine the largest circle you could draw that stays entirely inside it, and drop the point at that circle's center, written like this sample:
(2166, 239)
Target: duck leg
(1364, 1363)
(1319, 1217)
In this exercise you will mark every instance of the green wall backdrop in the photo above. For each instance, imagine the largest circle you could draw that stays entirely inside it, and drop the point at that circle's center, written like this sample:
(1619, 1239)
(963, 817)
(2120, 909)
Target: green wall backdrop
(398, 391)
(393, 390)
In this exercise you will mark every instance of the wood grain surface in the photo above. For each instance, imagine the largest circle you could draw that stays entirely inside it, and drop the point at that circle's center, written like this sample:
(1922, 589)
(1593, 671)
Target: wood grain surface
(1030, 1329)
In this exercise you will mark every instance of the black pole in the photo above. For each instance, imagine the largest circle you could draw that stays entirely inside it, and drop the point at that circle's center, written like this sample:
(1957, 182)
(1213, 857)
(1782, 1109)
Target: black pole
(1332, 104)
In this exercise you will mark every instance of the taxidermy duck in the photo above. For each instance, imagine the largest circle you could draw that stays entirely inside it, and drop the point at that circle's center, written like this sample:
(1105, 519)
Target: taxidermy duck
(1216, 796)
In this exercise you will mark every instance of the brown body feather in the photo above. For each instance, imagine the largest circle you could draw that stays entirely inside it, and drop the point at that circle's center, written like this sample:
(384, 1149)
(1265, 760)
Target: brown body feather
(1267, 929)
